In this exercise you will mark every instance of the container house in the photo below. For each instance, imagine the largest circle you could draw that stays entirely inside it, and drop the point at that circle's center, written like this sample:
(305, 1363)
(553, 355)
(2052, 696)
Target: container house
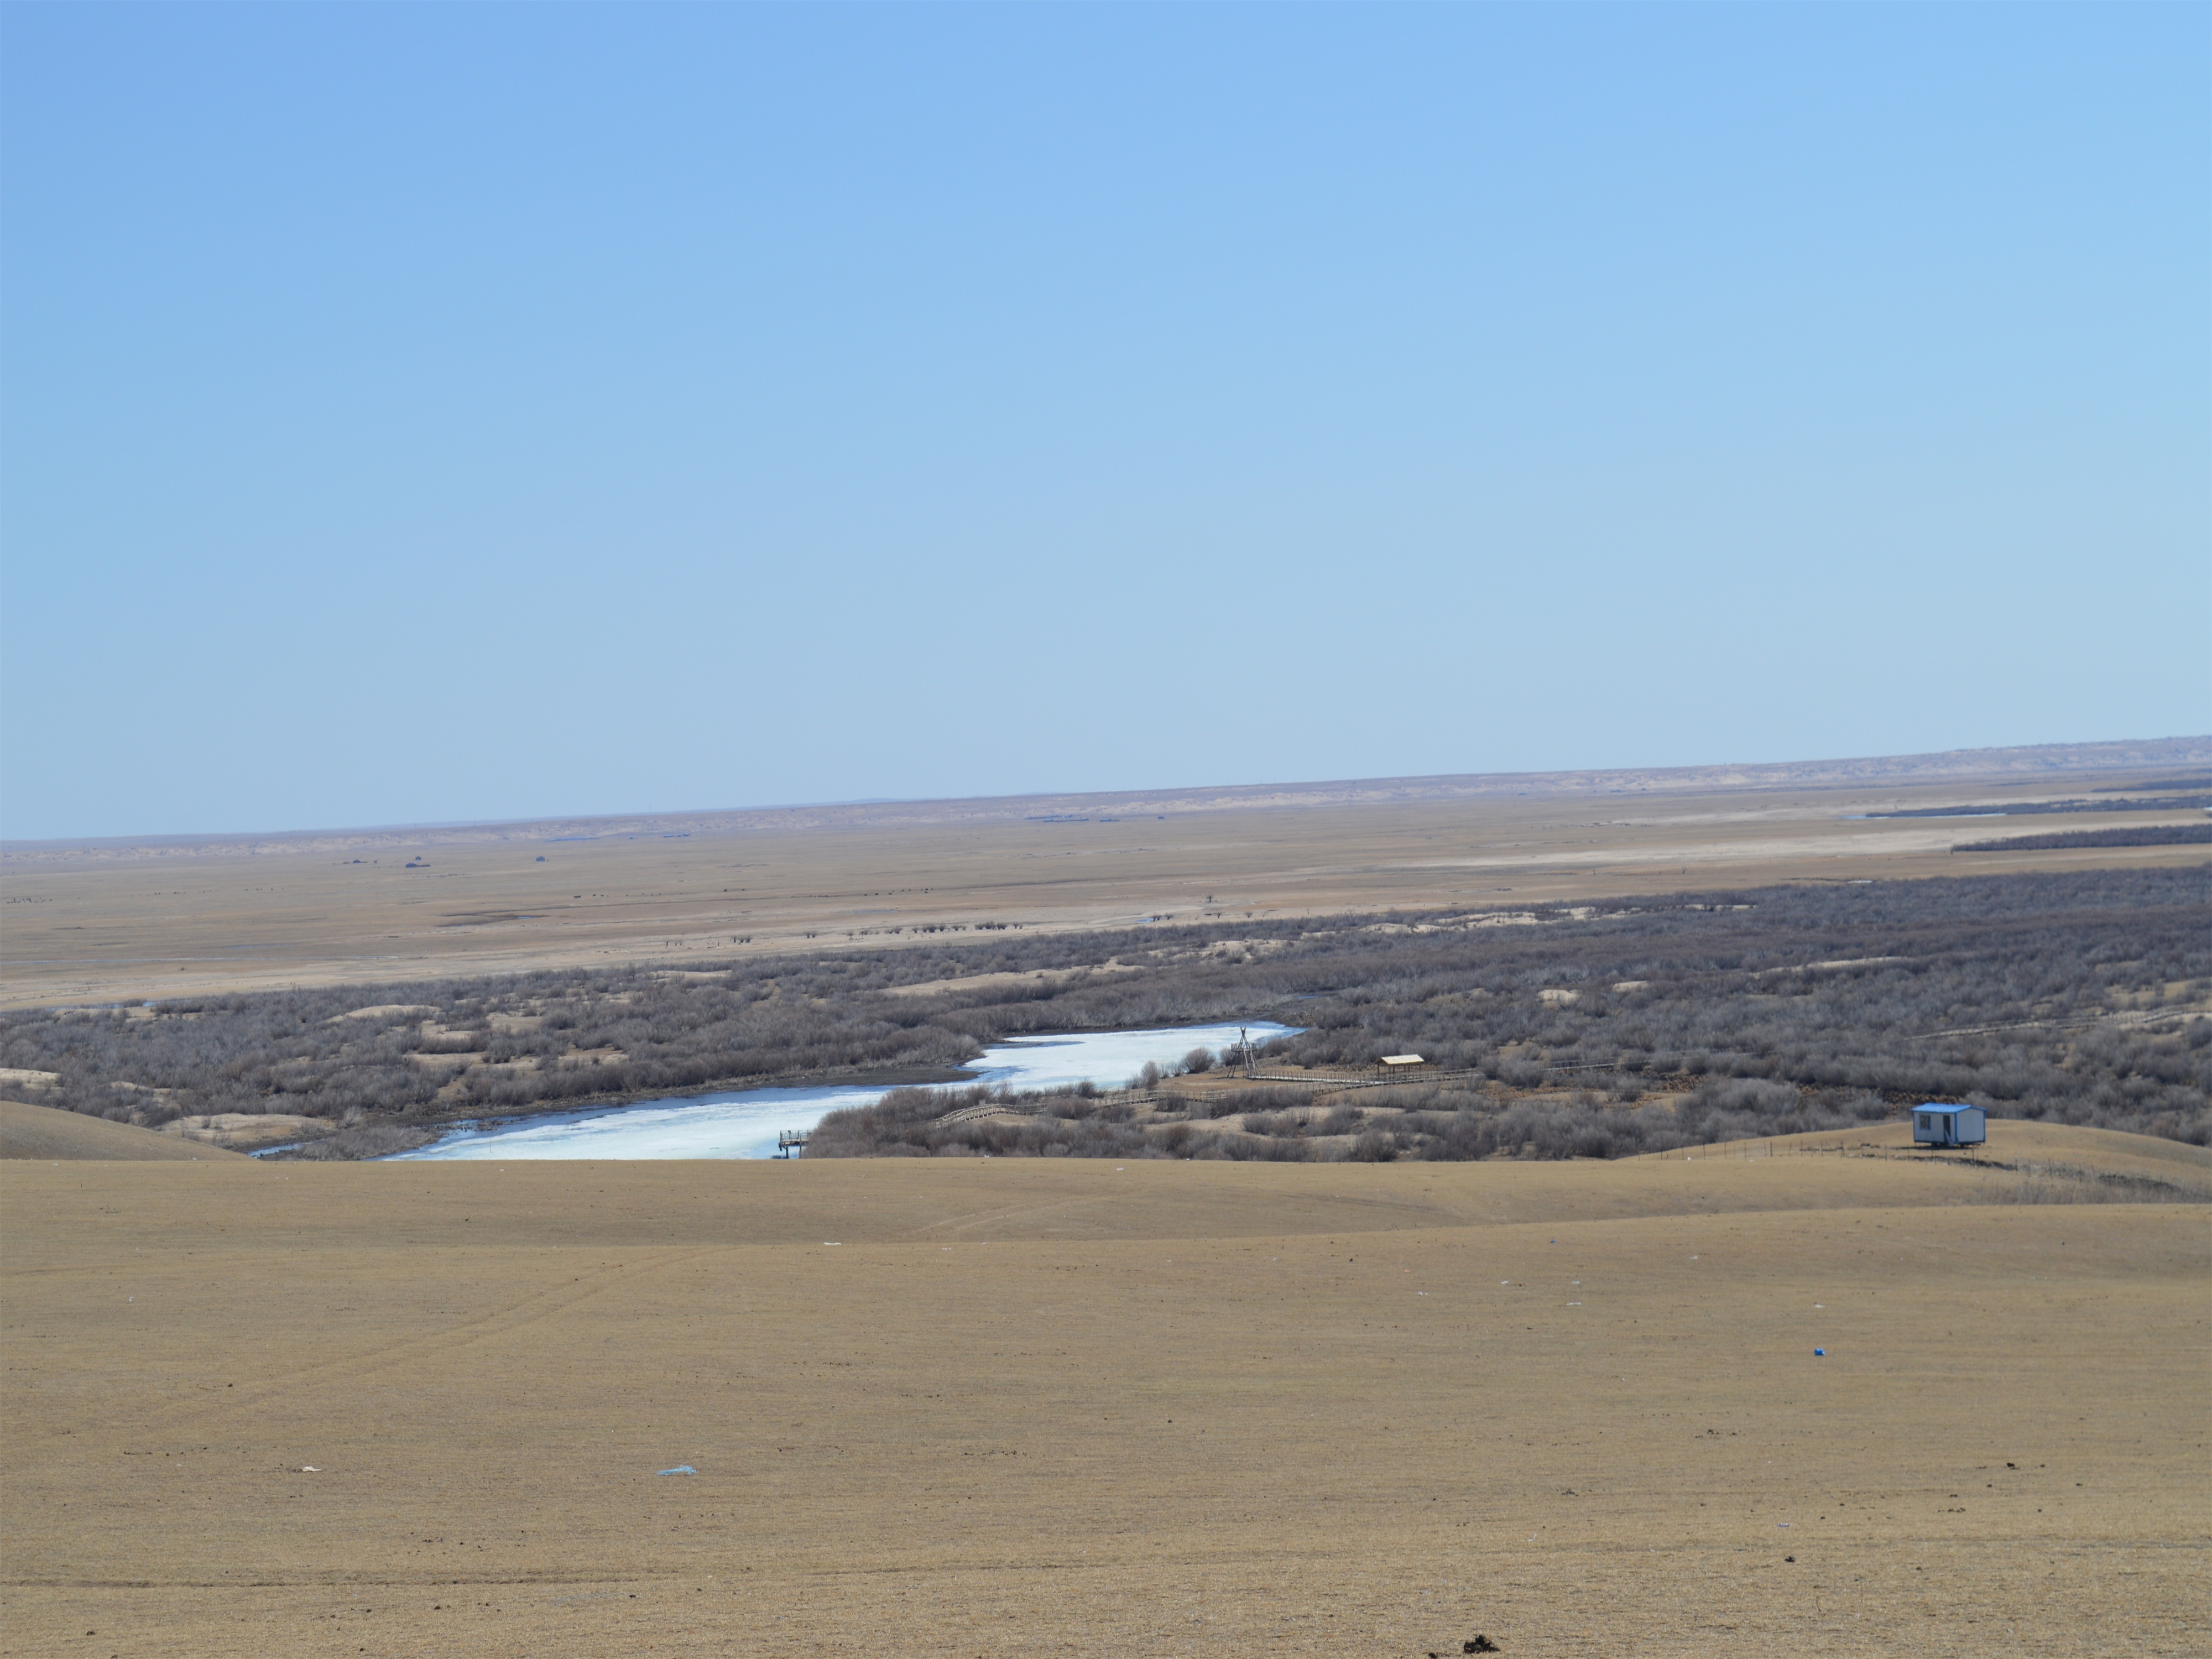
(1936, 1125)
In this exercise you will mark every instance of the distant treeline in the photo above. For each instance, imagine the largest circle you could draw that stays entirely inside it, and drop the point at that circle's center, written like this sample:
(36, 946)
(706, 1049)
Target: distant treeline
(2028, 809)
(2157, 834)
(2038, 995)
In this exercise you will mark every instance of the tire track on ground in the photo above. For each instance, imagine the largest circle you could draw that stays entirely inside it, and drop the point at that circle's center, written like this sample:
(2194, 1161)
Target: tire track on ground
(516, 1315)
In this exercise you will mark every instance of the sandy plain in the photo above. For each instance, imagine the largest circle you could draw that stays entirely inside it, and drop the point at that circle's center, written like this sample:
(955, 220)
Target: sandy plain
(122, 921)
(993, 1407)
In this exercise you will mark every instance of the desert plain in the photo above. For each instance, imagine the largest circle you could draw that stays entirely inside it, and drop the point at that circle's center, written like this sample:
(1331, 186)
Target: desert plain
(996, 1407)
(104, 922)
(1813, 1395)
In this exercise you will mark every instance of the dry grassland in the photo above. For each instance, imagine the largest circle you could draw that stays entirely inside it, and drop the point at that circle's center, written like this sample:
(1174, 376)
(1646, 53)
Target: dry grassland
(40, 1132)
(1057, 1407)
(102, 921)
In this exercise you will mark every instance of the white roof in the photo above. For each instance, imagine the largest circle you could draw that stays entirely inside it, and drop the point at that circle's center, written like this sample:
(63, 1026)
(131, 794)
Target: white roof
(1401, 1060)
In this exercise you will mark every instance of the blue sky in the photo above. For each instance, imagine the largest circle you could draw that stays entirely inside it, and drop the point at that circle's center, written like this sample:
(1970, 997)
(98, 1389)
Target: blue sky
(431, 413)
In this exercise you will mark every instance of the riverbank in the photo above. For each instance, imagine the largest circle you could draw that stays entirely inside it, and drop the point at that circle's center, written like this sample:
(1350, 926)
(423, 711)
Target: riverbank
(863, 1078)
(389, 1140)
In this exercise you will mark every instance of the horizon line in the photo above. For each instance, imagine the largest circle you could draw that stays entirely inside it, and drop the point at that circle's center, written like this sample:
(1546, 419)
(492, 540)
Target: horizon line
(1164, 793)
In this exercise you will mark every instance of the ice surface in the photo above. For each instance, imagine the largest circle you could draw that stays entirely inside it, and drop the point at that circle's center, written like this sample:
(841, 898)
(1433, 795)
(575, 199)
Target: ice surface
(745, 1124)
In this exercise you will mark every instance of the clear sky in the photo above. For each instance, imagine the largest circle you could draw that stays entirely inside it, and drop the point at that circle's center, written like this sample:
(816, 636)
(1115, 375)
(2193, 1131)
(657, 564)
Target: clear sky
(419, 413)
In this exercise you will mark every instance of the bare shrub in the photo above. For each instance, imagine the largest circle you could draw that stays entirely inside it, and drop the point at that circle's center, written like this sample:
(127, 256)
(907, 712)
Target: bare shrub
(370, 1140)
(1989, 989)
(1376, 1147)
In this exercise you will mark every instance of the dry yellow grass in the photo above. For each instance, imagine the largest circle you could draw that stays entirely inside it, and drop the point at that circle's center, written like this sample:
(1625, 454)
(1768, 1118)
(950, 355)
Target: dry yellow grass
(2046, 1152)
(27, 1131)
(1061, 1407)
(117, 921)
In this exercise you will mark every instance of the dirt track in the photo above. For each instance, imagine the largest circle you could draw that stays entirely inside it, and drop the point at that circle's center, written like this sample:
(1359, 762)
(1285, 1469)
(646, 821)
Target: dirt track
(1051, 1406)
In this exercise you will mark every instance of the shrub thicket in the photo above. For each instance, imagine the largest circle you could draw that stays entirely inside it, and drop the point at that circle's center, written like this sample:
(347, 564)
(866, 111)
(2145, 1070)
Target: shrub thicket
(2051, 996)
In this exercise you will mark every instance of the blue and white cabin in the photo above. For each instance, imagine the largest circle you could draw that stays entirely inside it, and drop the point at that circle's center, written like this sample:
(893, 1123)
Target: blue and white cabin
(1935, 1125)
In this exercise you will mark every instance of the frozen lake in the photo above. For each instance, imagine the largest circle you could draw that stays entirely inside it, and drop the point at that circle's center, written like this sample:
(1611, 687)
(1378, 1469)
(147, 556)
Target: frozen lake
(745, 1124)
